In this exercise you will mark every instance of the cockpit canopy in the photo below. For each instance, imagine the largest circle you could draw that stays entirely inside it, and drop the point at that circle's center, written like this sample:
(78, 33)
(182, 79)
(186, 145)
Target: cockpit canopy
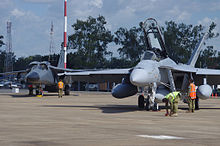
(154, 38)
(149, 55)
(40, 65)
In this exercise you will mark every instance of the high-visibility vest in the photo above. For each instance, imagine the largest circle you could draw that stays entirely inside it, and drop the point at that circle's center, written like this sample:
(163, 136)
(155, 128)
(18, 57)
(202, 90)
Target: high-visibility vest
(173, 95)
(60, 85)
(192, 91)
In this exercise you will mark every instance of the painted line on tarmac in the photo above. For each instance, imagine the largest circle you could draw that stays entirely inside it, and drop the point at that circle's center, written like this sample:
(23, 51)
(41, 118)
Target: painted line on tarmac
(160, 137)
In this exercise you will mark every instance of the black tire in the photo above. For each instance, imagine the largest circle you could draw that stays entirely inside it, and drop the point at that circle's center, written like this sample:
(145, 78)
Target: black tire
(197, 103)
(67, 90)
(141, 102)
(147, 108)
(37, 92)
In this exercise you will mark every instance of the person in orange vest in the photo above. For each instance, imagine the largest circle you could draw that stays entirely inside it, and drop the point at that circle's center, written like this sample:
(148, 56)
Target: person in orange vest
(60, 89)
(191, 96)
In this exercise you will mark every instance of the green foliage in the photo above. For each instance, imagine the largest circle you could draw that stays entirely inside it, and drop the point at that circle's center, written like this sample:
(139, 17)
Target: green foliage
(2, 59)
(23, 62)
(132, 43)
(181, 39)
(1, 42)
(90, 40)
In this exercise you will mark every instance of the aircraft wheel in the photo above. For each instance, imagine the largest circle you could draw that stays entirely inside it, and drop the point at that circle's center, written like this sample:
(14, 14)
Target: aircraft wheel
(37, 92)
(197, 103)
(30, 91)
(67, 90)
(147, 104)
(141, 102)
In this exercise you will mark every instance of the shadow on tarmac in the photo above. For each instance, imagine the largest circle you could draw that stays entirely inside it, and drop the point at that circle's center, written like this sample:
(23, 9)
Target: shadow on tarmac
(26, 95)
(110, 109)
(20, 96)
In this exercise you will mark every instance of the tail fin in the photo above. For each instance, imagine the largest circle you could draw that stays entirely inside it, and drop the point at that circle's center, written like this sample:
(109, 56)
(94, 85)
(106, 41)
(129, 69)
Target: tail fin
(192, 62)
(61, 59)
(196, 51)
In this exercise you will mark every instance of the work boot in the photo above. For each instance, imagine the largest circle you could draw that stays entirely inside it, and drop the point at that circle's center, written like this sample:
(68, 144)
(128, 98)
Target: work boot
(188, 111)
(175, 115)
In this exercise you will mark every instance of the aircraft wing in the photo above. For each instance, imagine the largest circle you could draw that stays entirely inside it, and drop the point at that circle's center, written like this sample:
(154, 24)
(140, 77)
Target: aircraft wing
(212, 75)
(113, 75)
(58, 69)
(180, 68)
(14, 72)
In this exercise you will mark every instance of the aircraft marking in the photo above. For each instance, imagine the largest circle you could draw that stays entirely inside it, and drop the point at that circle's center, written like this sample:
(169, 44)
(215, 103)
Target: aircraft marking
(160, 137)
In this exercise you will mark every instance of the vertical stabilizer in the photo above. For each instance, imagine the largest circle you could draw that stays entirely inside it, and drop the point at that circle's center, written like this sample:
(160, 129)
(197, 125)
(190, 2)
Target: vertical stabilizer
(196, 51)
(61, 59)
(192, 61)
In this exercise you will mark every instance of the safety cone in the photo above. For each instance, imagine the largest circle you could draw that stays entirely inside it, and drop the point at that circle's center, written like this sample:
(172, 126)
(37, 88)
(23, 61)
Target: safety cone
(212, 95)
(216, 95)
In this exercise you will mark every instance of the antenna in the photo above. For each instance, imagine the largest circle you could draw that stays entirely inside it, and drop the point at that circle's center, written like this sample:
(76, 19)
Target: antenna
(8, 58)
(51, 58)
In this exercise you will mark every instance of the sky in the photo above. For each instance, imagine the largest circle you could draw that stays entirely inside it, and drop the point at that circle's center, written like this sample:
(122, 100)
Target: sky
(31, 19)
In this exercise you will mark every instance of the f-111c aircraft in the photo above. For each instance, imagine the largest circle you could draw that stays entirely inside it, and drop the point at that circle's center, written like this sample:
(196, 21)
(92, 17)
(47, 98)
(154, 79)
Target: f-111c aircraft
(43, 76)
(156, 74)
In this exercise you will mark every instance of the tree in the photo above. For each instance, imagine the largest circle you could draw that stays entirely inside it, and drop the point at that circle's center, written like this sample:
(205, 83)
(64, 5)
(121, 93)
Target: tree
(132, 43)
(181, 39)
(1, 42)
(207, 58)
(2, 59)
(90, 40)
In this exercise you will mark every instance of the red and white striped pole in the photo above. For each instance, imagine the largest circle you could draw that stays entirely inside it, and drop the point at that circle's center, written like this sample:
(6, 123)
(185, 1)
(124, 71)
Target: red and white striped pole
(65, 33)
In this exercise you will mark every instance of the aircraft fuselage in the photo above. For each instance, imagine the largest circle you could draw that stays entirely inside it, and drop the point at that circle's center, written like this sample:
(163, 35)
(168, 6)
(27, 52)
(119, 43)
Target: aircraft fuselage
(147, 72)
(39, 76)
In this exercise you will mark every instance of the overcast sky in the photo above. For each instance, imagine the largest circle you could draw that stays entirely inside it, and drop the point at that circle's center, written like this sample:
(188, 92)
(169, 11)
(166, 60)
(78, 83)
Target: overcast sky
(31, 19)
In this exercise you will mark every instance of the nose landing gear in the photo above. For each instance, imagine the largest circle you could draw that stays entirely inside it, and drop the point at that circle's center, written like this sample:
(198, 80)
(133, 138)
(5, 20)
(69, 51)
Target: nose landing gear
(147, 104)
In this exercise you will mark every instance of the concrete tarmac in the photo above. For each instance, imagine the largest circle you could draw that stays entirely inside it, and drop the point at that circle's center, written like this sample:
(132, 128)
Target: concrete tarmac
(90, 118)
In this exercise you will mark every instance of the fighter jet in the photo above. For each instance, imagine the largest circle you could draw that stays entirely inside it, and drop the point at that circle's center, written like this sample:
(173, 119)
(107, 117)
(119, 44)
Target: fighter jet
(43, 76)
(156, 74)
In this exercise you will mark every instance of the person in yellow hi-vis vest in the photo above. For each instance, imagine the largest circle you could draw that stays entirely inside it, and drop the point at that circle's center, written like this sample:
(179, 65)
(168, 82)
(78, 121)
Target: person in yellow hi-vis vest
(60, 89)
(191, 96)
(173, 99)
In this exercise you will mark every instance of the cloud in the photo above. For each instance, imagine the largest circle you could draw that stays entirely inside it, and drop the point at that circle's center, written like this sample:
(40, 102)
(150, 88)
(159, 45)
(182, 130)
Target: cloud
(33, 17)
(205, 21)
(97, 3)
(40, 1)
(17, 13)
(184, 16)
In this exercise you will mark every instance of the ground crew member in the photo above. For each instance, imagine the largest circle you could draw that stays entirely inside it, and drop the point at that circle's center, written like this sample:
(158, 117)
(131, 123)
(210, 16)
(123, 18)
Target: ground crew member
(191, 96)
(60, 89)
(172, 98)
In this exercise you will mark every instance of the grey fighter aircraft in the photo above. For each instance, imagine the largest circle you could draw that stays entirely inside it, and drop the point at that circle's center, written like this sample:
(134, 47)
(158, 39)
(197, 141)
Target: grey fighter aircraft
(156, 74)
(43, 75)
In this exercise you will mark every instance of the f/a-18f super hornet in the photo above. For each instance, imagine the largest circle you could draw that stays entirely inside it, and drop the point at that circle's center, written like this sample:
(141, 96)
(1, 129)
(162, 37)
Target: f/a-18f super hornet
(43, 76)
(156, 74)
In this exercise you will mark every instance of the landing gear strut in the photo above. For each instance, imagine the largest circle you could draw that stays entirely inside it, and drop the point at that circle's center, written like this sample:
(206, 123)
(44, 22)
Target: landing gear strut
(149, 104)
(67, 90)
(150, 100)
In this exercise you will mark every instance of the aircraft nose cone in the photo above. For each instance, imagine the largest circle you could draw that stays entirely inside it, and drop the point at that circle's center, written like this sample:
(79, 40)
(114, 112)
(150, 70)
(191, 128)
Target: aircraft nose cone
(138, 77)
(33, 77)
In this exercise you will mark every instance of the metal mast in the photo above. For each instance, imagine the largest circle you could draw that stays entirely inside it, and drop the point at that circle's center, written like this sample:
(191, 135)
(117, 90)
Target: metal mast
(8, 58)
(65, 33)
(51, 49)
